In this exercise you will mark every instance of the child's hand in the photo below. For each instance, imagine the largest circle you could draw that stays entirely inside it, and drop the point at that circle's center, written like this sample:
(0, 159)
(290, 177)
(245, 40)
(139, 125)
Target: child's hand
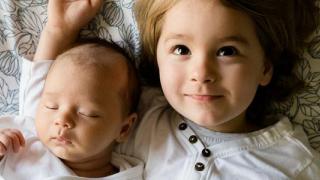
(70, 16)
(10, 139)
(65, 19)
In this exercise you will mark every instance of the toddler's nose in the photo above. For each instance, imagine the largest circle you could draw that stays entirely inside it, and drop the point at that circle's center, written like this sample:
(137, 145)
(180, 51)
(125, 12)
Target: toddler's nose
(203, 71)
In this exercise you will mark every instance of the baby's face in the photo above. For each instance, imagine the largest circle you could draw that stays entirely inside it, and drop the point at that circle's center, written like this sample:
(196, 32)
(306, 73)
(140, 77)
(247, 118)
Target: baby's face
(80, 113)
(211, 63)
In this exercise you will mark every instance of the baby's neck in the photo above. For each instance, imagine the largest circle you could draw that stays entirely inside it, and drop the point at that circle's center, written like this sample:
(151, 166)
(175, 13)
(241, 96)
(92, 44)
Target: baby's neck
(99, 167)
(104, 171)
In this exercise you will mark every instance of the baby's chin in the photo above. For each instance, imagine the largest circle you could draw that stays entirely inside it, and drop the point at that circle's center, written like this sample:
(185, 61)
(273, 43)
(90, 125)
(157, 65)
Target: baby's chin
(64, 152)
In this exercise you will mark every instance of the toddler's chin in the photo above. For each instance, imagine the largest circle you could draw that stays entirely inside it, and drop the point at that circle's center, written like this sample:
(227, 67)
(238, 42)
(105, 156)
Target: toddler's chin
(205, 121)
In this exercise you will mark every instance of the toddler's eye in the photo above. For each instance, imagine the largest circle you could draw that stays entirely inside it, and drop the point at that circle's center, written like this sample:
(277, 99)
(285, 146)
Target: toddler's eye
(227, 51)
(181, 50)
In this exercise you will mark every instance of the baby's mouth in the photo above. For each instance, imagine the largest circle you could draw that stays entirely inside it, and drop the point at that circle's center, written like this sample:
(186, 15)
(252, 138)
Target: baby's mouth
(62, 140)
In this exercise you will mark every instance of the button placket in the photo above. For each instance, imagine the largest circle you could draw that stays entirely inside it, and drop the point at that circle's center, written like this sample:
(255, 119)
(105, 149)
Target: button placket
(193, 139)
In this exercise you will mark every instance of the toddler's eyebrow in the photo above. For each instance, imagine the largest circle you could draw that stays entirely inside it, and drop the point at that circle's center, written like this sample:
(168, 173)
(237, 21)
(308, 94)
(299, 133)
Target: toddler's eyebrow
(172, 36)
(235, 38)
(232, 38)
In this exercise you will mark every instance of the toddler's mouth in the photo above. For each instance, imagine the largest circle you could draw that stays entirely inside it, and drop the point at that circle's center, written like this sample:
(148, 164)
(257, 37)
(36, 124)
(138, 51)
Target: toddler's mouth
(201, 97)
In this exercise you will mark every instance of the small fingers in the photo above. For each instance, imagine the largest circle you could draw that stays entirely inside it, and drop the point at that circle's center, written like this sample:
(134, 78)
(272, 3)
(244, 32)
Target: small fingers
(22, 141)
(11, 139)
(4, 142)
(96, 4)
(3, 149)
(18, 140)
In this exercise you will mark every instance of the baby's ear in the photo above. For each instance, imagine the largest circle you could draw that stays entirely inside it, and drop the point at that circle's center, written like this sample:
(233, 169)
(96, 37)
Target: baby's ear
(267, 73)
(126, 128)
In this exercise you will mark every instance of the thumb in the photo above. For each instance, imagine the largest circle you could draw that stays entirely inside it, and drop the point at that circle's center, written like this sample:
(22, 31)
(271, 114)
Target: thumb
(95, 4)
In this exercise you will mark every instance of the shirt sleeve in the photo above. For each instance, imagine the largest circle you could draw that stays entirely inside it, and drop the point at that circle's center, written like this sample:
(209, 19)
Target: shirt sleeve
(17, 122)
(312, 171)
(31, 85)
(151, 104)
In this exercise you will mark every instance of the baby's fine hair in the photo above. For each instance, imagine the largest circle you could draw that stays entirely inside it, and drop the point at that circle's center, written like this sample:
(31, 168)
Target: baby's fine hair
(282, 27)
(91, 56)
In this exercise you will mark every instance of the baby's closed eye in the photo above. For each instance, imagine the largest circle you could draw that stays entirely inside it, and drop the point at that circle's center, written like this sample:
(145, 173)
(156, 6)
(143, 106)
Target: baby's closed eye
(51, 106)
(89, 114)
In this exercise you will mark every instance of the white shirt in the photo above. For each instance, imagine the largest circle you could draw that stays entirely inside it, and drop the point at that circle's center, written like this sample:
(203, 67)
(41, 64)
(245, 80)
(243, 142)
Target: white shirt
(277, 152)
(36, 162)
(172, 150)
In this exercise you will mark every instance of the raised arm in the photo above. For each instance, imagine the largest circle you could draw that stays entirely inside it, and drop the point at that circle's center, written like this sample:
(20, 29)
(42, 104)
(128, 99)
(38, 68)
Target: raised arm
(65, 19)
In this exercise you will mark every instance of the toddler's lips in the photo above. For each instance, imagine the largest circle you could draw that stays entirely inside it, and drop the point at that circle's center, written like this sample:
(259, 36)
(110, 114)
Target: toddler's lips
(204, 97)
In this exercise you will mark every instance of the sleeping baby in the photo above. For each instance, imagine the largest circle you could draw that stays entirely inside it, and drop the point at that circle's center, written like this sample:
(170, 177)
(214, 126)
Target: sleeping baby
(87, 106)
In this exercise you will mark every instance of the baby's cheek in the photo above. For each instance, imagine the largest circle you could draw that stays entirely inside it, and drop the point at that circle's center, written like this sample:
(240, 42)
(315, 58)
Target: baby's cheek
(97, 137)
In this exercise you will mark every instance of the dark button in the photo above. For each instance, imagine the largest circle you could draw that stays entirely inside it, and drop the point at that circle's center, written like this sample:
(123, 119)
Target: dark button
(193, 139)
(199, 166)
(182, 126)
(206, 152)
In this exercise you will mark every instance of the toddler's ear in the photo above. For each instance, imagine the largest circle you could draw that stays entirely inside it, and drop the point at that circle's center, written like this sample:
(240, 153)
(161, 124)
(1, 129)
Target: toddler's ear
(267, 73)
(126, 128)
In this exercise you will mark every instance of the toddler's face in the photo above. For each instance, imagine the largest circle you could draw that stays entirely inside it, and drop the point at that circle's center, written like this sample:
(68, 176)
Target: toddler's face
(80, 113)
(210, 63)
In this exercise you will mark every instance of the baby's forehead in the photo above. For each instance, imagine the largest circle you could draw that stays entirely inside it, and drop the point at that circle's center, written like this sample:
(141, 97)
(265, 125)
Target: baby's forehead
(100, 71)
(103, 65)
(95, 51)
(94, 55)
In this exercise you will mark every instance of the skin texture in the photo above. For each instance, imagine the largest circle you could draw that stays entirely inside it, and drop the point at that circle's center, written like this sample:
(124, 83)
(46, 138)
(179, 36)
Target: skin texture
(210, 75)
(65, 19)
(81, 111)
(10, 140)
(80, 115)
